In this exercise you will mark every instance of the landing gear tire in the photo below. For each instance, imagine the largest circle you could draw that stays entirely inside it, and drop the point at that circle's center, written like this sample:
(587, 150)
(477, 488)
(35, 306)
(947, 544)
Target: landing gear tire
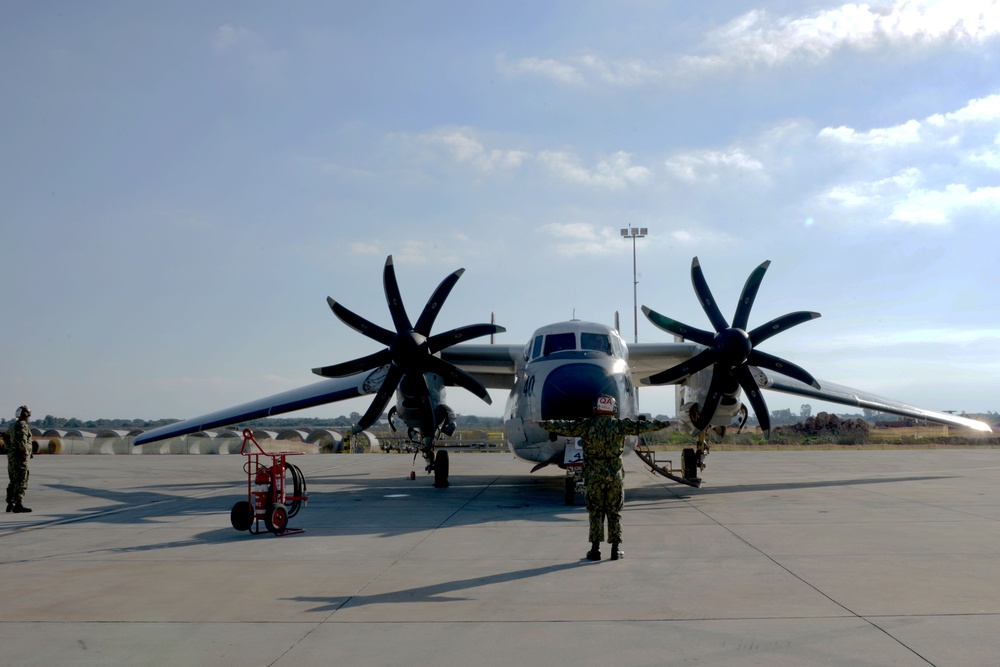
(240, 516)
(570, 491)
(689, 463)
(276, 519)
(441, 469)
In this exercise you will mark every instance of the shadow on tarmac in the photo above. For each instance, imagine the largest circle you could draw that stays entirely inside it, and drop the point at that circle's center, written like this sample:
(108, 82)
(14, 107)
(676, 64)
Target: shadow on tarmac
(434, 592)
(389, 510)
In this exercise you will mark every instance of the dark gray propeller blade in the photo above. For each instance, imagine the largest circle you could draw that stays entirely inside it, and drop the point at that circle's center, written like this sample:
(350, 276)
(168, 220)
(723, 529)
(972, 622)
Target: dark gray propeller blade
(748, 295)
(705, 297)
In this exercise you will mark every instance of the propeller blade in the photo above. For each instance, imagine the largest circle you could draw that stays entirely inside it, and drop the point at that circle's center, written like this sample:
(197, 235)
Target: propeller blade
(712, 400)
(779, 365)
(433, 307)
(705, 296)
(360, 324)
(779, 324)
(392, 296)
(440, 341)
(356, 366)
(696, 363)
(678, 328)
(756, 398)
(748, 296)
(381, 399)
(456, 376)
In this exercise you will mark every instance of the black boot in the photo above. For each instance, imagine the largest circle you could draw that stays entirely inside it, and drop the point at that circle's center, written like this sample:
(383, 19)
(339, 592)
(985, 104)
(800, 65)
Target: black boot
(20, 509)
(10, 507)
(616, 553)
(595, 551)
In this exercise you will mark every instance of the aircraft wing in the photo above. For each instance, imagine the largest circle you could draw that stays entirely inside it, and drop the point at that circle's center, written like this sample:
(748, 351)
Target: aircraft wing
(319, 393)
(836, 393)
(493, 365)
(645, 359)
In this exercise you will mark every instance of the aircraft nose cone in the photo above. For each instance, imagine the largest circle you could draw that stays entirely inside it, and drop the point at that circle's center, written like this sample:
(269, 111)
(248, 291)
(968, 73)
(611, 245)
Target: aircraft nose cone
(571, 391)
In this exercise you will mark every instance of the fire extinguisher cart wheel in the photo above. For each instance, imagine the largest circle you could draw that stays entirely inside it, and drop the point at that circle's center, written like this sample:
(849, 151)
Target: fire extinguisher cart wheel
(276, 519)
(241, 516)
(266, 500)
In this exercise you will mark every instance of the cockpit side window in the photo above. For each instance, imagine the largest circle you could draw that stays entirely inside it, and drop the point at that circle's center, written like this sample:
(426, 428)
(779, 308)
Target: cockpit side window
(538, 347)
(616, 343)
(559, 342)
(595, 341)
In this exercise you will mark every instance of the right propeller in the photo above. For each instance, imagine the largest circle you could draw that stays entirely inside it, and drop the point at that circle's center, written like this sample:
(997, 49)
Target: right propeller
(731, 349)
(410, 350)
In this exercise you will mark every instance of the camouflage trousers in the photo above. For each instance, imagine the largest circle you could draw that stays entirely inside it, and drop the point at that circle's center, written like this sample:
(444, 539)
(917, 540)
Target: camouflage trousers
(17, 471)
(605, 500)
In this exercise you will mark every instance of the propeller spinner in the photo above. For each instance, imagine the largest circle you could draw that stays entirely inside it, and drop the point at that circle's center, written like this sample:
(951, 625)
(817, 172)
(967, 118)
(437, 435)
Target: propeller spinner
(731, 349)
(410, 349)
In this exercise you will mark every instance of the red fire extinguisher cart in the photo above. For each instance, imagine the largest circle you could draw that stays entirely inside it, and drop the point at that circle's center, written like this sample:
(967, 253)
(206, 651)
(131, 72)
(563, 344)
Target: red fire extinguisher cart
(267, 499)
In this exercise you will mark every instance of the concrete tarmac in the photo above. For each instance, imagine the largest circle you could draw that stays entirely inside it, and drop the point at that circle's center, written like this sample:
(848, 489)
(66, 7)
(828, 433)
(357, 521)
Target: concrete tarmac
(797, 558)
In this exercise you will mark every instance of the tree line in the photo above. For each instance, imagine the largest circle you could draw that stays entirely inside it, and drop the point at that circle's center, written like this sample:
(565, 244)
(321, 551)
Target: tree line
(778, 418)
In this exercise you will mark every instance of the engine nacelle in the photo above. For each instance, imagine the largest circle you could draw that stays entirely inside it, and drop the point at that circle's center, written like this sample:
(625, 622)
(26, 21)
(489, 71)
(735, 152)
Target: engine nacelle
(693, 392)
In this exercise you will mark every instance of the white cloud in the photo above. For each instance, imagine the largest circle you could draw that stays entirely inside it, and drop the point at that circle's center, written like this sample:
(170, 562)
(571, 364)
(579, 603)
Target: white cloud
(952, 149)
(615, 172)
(366, 248)
(465, 147)
(899, 135)
(980, 110)
(899, 199)
(707, 164)
(938, 207)
(544, 67)
(988, 157)
(757, 38)
(944, 129)
(577, 238)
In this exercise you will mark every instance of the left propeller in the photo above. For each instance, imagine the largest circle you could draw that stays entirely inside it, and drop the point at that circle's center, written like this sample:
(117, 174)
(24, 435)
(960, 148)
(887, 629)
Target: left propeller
(730, 349)
(410, 350)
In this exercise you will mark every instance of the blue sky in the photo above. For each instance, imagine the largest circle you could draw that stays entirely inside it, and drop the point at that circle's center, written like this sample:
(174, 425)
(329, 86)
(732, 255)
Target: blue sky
(182, 185)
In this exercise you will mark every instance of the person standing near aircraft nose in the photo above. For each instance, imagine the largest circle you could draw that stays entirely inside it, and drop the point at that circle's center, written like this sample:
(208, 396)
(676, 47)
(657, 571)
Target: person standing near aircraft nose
(603, 438)
(17, 441)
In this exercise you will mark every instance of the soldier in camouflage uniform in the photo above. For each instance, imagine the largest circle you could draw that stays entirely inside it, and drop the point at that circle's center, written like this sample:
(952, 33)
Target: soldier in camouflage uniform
(603, 437)
(17, 441)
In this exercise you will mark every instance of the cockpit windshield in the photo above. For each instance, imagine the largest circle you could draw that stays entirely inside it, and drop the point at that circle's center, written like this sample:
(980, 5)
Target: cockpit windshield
(595, 341)
(559, 342)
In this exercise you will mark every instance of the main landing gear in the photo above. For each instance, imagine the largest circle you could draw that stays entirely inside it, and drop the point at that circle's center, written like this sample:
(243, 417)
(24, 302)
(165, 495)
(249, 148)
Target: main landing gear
(436, 461)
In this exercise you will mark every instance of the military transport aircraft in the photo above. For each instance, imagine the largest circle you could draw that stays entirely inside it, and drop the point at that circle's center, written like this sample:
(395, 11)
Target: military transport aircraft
(557, 375)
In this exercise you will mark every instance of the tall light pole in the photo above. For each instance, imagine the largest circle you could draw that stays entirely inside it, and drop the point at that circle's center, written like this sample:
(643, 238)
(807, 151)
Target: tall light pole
(634, 233)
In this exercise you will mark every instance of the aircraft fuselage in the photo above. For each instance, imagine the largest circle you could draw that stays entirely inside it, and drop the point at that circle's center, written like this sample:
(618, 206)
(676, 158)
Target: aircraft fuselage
(564, 369)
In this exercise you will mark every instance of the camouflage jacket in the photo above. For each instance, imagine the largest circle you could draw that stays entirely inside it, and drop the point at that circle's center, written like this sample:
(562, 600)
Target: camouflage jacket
(18, 439)
(603, 439)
